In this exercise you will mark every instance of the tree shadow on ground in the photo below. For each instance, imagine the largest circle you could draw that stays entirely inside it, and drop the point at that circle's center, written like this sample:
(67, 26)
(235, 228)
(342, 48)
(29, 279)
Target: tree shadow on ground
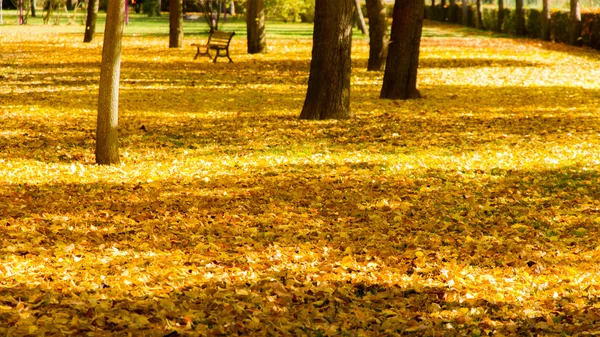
(194, 229)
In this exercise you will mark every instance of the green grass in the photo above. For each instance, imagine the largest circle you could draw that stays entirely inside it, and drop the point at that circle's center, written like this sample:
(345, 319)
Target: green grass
(143, 25)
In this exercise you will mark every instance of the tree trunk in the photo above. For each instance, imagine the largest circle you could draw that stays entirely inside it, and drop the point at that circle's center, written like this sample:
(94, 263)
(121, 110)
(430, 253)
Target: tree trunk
(500, 16)
(255, 24)
(1, 14)
(378, 38)
(32, 8)
(107, 136)
(575, 16)
(400, 76)
(361, 18)
(520, 17)
(175, 24)
(465, 12)
(443, 15)
(328, 94)
(90, 22)
(478, 15)
(452, 11)
(545, 20)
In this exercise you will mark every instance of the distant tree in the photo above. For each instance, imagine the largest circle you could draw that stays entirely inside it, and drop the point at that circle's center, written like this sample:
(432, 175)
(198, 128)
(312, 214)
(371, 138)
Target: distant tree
(378, 38)
(400, 76)
(176, 23)
(479, 15)
(465, 12)
(545, 20)
(90, 21)
(328, 94)
(520, 17)
(255, 26)
(360, 17)
(575, 16)
(500, 19)
(107, 136)
(33, 8)
(1, 15)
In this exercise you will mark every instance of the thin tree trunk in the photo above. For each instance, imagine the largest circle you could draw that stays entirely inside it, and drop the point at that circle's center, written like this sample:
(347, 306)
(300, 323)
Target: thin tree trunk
(378, 38)
(465, 13)
(361, 17)
(107, 136)
(328, 94)
(545, 20)
(1, 14)
(175, 24)
(520, 17)
(453, 10)
(575, 16)
(90, 21)
(32, 8)
(500, 16)
(479, 15)
(255, 25)
(400, 76)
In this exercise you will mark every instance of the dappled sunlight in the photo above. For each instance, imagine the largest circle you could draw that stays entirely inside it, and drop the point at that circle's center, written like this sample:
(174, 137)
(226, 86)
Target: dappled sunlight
(474, 210)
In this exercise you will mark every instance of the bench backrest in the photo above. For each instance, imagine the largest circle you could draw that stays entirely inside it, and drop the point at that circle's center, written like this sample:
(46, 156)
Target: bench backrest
(220, 38)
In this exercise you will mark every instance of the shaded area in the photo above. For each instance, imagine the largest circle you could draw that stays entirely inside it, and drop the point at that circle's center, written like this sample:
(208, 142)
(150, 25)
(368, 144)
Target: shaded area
(270, 225)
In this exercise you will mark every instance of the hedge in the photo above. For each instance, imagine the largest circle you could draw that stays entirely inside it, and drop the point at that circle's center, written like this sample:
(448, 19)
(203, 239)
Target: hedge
(560, 27)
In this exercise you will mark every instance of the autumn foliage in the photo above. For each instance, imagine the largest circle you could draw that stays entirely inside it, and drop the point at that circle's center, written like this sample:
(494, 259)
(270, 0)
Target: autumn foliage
(472, 211)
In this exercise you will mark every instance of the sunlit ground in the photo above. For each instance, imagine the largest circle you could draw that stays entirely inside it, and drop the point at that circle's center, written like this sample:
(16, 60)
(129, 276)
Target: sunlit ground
(472, 211)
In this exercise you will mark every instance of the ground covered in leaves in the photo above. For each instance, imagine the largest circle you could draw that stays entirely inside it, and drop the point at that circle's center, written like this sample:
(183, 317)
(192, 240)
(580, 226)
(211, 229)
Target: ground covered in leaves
(473, 211)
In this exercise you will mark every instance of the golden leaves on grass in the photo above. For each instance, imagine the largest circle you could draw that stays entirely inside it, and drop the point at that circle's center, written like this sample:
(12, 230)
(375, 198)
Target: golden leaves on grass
(473, 211)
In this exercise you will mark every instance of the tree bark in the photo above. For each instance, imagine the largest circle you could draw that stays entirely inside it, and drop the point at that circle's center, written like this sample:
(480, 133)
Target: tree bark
(176, 24)
(378, 38)
(400, 76)
(90, 21)
(500, 16)
(328, 94)
(361, 18)
(452, 11)
(575, 16)
(520, 17)
(32, 8)
(465, 12)
(545, 20)
(107, 136)
(255, 24)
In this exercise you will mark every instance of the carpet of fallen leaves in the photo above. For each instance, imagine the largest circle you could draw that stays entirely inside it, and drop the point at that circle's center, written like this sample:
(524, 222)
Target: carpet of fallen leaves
(473, 211)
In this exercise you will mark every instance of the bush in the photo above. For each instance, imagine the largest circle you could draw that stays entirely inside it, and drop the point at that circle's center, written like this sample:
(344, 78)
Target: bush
(560, 26)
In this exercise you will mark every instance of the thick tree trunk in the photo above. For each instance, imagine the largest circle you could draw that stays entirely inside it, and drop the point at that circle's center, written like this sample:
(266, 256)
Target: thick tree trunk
(255, 24)
(378, 38)
(520, 17)
(500, 16)
(90, 22)
(575, 16)
(107, 136)
(175, 24)
(360, 17)
(452, 11)
(545, 20)
(328, 94)
(478, 15)
(400, 76)
(465, 12)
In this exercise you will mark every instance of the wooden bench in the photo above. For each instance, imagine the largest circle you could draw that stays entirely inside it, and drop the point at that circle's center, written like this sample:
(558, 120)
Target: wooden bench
(218, 41)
